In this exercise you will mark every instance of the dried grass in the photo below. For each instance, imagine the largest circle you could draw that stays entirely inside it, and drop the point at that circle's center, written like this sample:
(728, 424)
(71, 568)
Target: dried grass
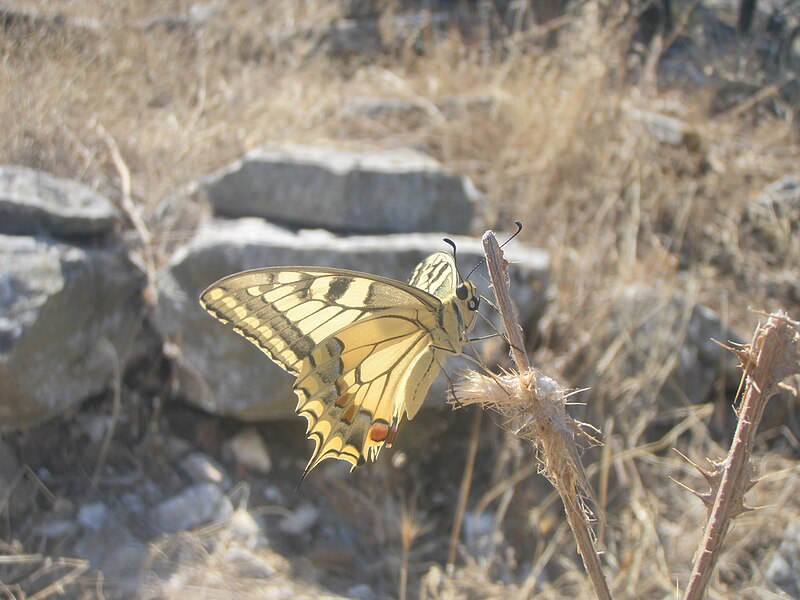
(558, 148)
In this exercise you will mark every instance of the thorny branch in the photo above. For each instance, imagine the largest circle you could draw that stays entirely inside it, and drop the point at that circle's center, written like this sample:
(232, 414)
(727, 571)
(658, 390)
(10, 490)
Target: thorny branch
(773, 355)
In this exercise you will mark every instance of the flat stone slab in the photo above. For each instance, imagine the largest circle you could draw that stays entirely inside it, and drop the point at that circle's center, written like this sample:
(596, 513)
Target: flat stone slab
(35, 202)
(393, 191)
(225, 374)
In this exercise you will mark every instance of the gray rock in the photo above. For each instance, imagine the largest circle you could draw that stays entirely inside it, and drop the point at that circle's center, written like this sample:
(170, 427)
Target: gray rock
(669, 130)
(34, 202)
(222, 372)
(65, 311)
(361, 591)
(111, 548)
(250, 451)
(480, 534)
(456, 107)
(341, 190)
(300, 520)
(352, 37)
(784, 568)
(384, 109)
(204, 469)
(196, 505)
(769, 225)
(780, 201)
(665, 341)
(56, 529)
(17, 491)
(93, 516)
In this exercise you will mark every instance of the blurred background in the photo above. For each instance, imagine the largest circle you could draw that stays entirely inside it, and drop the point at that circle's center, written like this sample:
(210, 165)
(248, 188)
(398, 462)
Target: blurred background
(651, 149)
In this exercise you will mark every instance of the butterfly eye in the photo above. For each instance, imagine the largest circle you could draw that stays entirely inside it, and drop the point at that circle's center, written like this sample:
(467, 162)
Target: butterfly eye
(474, 303)
(461, 291)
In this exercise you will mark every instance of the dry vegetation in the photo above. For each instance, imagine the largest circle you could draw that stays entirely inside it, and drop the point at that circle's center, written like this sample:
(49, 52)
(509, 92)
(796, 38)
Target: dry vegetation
(560, 150)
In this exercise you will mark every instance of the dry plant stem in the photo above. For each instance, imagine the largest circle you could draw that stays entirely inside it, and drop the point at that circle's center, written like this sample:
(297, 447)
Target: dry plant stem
(498, 275)
(576, 517)
(466, 483)
(772, 356)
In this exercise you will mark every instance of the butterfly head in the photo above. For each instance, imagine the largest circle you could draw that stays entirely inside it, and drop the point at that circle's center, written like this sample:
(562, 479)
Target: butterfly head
(467, 295)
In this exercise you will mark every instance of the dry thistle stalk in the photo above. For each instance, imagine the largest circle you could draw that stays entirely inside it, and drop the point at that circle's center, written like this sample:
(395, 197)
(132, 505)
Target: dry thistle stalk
(535, 409)
(773, 355)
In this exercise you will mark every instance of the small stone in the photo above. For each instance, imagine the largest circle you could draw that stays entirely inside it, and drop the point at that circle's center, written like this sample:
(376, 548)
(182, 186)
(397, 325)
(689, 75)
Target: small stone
(204, 469)
(669, 130)
(134, 504)
(94, 426)
(361, 592)
(478, 531)
(56, 529)
(250, 451)
(113, 549)
(301, 520)
(273, 494)
(92, 516)
(196, 505)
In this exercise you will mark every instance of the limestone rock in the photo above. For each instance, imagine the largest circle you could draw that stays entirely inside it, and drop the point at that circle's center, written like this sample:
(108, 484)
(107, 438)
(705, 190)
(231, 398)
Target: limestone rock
(784, 568)
(225, 374)
(34, 202)
(110, 546)
(250, 451)
(64, 312)
(342, 190)
(664, 342)
(197, 505)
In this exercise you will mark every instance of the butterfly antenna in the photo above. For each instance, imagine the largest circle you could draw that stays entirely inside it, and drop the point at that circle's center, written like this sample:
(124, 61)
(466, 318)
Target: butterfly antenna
(483, 260)
(453, 245)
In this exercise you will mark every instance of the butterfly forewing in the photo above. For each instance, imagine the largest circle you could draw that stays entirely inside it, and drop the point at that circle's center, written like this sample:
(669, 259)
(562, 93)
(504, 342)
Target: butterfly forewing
(286, 312)
(363, 347)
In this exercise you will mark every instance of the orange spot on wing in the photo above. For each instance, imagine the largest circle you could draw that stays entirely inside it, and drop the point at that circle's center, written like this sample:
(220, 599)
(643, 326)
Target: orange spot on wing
(348, 415)
(343, 400)
(379, 431)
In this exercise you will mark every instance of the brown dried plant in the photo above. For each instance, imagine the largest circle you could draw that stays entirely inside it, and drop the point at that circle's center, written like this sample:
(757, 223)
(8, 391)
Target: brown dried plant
(773, 355)
(534, 407)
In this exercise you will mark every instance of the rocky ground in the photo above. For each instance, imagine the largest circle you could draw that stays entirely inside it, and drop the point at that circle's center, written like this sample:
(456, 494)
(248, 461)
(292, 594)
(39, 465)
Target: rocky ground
(147, 451)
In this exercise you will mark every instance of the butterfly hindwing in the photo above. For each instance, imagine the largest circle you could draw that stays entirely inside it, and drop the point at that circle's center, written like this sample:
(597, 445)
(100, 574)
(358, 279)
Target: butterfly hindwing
(353, 386)
(365, 349)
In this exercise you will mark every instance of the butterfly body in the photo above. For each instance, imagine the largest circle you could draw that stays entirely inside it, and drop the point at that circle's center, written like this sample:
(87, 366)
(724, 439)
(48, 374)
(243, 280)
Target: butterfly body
(365, 349)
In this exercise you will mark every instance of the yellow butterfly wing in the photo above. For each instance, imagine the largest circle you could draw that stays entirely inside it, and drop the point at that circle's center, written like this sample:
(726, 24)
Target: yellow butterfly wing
(364, 348)
(287, 311)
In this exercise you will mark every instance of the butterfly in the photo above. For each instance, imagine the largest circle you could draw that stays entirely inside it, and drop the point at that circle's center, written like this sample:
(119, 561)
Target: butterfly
(364, 348)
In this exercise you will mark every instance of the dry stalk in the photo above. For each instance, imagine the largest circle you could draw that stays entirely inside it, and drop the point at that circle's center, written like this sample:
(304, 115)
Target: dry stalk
(535, 408)
(463, 493)
(773, 355)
